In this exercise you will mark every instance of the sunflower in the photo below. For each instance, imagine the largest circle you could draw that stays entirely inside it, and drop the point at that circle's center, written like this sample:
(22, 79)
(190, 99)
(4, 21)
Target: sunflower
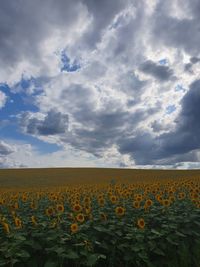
(159, 198)
(33, 220)
(120, 211)
(148, 203)
(101, 202)
(24, 198)
(136, 204)
(53, 223)
(113, 199)
(100, 196)
(141, 223)
(166, 202)
(16, 205)
(74, 227)
(13, 213)
(49, 211)
(103, 216)
(77, 208)
(88, 210)
(139, 198)
(195, 196)
(181, 195)
(18, 223)
(6, 228)
(87, 200)
(60, 208)
(172, 198)
(33, 205)
(80, 217)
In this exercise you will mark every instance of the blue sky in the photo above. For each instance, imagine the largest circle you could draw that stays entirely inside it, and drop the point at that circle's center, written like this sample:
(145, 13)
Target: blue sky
(79, 89)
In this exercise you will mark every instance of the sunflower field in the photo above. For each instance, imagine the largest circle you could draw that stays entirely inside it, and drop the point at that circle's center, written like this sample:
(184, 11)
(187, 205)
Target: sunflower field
(142, 223)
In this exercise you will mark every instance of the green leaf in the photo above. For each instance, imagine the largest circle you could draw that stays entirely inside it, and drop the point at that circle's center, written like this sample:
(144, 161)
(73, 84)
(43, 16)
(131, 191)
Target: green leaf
(155, 232)
(159, 252)
(101, 256)
(23, 254)
(92, 259)
(50, 264)
(180, 234)
(71, 255)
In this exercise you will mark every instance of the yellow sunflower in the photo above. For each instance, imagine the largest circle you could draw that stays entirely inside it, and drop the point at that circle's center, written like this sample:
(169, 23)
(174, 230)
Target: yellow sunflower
(166, 202)
(6, 228)
(80, 217)
(33, 220)
(60, 208)
(148, 203)
(77, 208)
(101, 202)
(120, 211)
(136, 204)
(103, 216)
(141, 223)
(18, 223)
(74, 227)
(49, 211)
(113, 199)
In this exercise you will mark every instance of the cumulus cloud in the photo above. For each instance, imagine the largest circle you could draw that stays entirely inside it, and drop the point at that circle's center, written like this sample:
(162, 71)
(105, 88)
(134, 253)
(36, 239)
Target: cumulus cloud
(162, 73)
(53, 123)
(103, 84)
(3, 99)
(6, 149)
(179, 145)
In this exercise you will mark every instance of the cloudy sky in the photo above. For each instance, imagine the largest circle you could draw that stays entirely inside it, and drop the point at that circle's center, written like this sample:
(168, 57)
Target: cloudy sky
(100, 83)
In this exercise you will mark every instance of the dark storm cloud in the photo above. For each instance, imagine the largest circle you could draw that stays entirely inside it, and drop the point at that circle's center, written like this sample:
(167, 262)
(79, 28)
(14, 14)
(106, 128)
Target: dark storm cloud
(160, 72)
(175, 146)
(54, 123)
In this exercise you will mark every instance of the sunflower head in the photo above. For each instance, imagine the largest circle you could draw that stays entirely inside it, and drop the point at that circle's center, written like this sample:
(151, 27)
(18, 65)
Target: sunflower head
(16, 205)
(136, 204)
(113, 199)
(49, 211)
(87, 200)
(120, 211)
(33, 220)
(101, 202)
(166, 202)
(139, 198)
(80, 217)
(74, 227)
(103, 216)
(60, 208)
(33, 205)
(18, 223)
(24, 198)
(141, 223)
(6, 227)
(148, 203)
(77, 208)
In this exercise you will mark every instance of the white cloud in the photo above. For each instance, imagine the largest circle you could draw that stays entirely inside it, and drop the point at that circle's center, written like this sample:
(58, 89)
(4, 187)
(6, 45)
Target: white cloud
(3, 99)
(121, 89)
